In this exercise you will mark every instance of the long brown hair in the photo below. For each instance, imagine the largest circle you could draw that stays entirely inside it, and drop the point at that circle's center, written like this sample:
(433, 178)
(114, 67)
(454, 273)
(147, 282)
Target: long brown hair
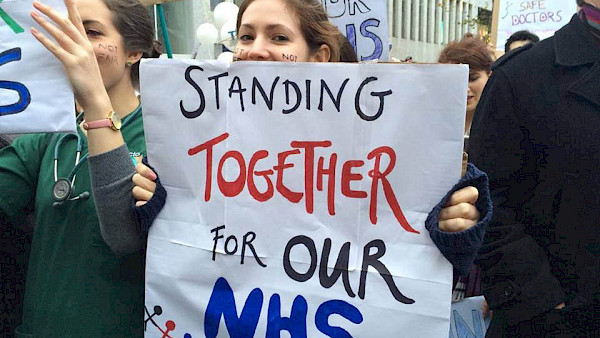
(314, 24)
(134, 24)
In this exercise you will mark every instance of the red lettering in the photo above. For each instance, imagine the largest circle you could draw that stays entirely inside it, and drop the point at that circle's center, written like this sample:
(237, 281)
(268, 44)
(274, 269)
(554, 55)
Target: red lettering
(261, 197)
(208, 145)
(321, 171)
(291, 196)
(309, 167)
(377, 176)
(232, 189)
(348, 176)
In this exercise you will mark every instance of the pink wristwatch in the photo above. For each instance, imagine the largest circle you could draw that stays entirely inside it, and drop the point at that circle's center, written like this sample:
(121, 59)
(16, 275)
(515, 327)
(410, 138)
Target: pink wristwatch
(113, 121)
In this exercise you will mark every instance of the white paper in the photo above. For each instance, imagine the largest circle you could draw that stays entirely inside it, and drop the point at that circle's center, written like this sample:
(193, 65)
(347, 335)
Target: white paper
(421, 122)
(35, 95)
(541, 17)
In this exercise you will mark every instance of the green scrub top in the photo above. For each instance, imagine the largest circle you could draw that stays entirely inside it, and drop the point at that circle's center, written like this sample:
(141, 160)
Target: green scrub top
(75, 286)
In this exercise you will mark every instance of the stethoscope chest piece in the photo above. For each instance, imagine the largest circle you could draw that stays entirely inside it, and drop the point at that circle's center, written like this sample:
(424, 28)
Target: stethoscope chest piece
(61, 189)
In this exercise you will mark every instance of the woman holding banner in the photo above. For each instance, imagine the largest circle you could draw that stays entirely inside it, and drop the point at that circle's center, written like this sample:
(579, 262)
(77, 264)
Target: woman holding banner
(81, 281)
(296, 30)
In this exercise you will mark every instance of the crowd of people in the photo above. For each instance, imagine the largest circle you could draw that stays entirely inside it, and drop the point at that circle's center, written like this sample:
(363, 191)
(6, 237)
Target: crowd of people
(75, 209)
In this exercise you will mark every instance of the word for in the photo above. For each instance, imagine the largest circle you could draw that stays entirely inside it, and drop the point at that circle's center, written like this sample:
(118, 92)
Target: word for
(22, 103)
(529, 5)
(10, 22)
(341, 266)
(378, 45)
(231, 245)
(337, 8)
(247, 175)
(293, 94)
(222, 305)
(536, 17)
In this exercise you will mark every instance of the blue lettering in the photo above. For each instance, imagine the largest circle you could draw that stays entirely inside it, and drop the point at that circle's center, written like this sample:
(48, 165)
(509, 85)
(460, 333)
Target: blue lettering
(11, 55)
(462, 328)
(295, 324)
(376, 40)
(341, 308)
(222, 303)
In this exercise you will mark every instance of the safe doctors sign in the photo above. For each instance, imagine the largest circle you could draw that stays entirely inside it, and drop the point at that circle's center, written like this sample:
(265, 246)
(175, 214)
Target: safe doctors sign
(541, 17)
(297, 195)
(35, 95)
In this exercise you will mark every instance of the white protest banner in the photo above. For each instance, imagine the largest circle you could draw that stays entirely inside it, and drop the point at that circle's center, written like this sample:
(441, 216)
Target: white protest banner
(35, 95)
(541, 17)
(364, 23)
(297, 195)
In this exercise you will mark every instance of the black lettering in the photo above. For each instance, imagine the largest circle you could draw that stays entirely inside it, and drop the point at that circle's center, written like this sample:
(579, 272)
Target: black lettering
(336, 101)
(341, 267)
(381, 96)
(216, 79)
(287, 84)
(195, 113)
(226, 246)
(373, 260)
(248, 242)
(216, 239)
(287, 264)
(268, 101)
(307, 94)
(239, 90)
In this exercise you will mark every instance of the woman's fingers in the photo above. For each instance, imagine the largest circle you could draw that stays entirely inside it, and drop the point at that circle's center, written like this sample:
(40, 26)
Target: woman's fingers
(468, 194)
(144, 183)
(64, 41)
(145, 171)
(462, 210)
(74, 17)
(60, 53)
(141, 194)
(63, 22)
(456, 224)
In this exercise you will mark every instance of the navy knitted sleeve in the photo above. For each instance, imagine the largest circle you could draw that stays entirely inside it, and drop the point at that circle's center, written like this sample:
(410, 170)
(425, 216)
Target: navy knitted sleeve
(146, 214)
(460, 248)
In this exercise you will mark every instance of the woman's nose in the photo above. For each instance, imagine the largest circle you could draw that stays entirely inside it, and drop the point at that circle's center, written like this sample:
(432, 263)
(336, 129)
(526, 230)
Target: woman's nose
(258, 51)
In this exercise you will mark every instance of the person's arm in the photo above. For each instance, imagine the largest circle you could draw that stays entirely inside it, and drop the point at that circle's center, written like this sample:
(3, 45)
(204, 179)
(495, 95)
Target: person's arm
(516, 276)
(459, 239)
(127, 202)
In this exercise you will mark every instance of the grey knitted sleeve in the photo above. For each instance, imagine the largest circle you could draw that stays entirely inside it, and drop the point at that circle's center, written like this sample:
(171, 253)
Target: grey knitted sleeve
(111, 174)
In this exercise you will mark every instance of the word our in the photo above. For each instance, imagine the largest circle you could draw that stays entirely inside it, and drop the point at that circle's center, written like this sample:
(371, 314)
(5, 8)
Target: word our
(247, 174)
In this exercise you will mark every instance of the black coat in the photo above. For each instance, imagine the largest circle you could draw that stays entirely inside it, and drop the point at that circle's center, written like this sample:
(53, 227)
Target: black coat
(536, 133)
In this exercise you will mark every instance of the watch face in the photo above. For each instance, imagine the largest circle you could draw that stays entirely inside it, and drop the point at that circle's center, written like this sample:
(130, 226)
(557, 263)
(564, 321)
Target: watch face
(116, 120)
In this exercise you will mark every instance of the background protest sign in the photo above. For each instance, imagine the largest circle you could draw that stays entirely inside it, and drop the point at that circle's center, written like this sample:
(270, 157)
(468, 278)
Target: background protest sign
(297, 197)
(35, 95)
(467, 320)
(364, 23)
(541, 17)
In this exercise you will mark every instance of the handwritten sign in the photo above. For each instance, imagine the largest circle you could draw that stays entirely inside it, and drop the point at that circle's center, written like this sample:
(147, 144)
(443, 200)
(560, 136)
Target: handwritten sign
(466, 319)
(541, 17)
(364, 23)
(297, 197)
(35, 95)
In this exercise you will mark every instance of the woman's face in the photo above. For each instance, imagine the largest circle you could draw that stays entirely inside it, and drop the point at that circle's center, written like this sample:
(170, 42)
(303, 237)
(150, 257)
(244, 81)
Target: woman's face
(107, 42)
(477, 81)
(269, 31)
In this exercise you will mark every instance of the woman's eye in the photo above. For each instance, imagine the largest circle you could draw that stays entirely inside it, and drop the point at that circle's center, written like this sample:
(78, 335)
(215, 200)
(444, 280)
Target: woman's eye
(473, 78)
(91, 32)
(245, 37)
(280, 38)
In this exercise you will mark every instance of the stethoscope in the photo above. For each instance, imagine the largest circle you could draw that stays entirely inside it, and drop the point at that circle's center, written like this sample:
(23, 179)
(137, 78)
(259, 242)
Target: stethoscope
(63, 187)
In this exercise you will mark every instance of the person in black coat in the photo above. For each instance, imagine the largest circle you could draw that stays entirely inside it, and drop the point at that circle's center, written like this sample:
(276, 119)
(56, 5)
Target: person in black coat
(536, 133)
